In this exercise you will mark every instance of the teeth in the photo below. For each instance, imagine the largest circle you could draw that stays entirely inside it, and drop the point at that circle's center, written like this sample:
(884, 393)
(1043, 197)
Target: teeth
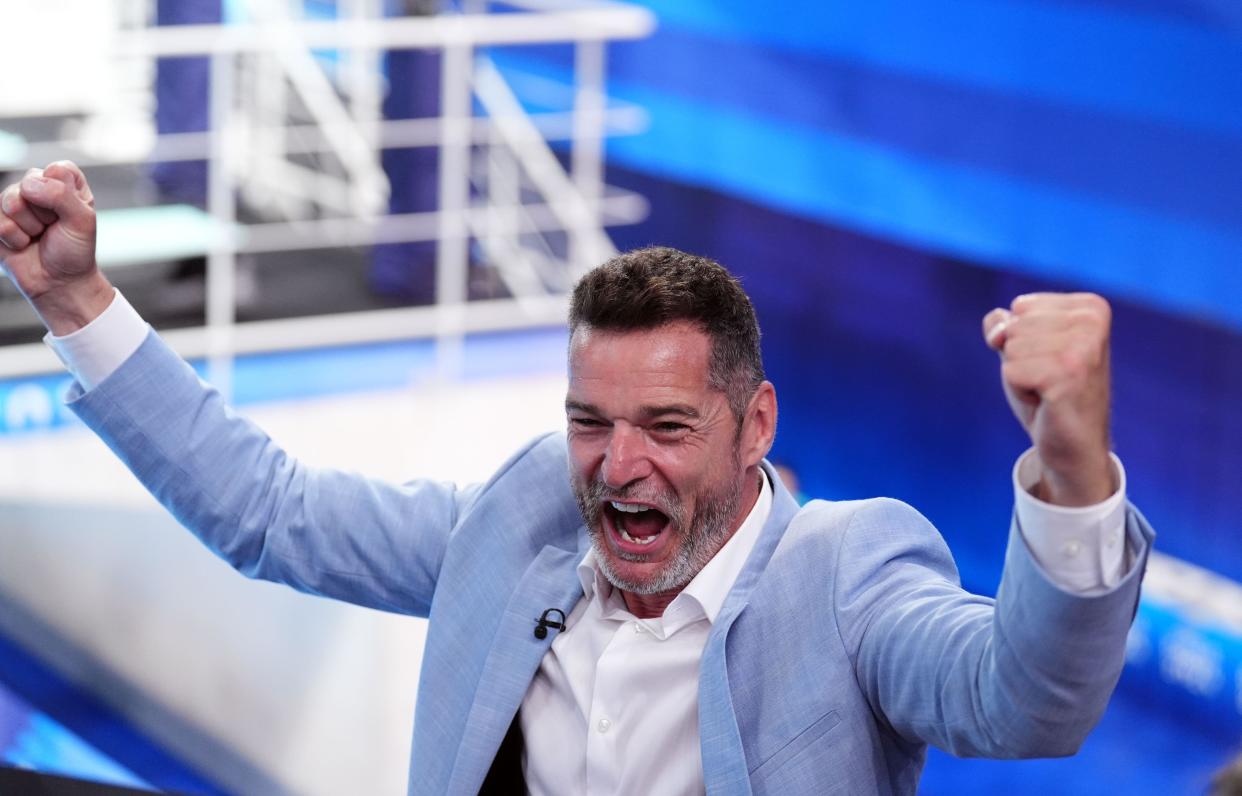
(635, 540)
(632, 508)
(629, 508)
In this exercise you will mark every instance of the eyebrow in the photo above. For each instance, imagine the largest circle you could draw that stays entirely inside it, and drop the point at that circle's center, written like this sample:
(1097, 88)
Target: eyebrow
(671, 409)
(577, 406)
(649, 411)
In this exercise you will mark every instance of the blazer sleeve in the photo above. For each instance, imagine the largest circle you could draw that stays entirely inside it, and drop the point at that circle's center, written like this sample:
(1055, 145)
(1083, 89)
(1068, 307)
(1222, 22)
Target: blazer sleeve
(318, 530)
(1028, 675)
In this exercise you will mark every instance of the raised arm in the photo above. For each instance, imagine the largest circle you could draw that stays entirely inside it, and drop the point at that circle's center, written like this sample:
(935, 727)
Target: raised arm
(270, 516)
(47, 243)
(1031, 675)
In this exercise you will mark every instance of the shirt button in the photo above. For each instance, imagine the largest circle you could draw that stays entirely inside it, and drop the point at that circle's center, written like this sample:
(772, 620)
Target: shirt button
(603, 725)
(638, 628)
(1071, 548)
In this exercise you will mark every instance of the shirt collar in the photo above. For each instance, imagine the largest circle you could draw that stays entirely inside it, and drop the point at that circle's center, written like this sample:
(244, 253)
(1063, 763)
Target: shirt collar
(704, 596)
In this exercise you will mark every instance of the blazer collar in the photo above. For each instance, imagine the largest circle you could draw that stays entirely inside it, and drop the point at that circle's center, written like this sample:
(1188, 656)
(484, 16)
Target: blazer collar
(784, 507)
(724, 761)
(549, 582)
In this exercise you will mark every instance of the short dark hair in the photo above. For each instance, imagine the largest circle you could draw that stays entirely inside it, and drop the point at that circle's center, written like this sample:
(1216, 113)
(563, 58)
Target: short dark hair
(648, 288)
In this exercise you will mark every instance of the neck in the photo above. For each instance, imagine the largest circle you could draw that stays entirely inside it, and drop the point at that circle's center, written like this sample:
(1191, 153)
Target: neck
(649, 606)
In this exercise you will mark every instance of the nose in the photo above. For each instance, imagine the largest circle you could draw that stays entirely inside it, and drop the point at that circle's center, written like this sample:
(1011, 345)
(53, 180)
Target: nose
(625, 459)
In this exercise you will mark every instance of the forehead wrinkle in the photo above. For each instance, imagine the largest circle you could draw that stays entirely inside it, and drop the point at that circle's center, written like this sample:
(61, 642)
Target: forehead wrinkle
(642, 374)
(662, 346)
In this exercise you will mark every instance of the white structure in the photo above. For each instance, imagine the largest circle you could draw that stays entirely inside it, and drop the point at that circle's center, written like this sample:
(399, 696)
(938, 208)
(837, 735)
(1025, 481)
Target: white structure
(500, 183)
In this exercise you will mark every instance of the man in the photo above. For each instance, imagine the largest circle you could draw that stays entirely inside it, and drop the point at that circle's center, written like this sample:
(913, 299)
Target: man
(699, 631)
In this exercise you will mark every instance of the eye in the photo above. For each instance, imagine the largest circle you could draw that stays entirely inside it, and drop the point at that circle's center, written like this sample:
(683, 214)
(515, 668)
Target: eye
(670, 427)
(585, 422)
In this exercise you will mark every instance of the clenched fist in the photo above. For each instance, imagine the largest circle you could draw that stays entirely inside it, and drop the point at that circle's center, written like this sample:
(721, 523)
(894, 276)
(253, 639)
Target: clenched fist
(47, 245)
(1055, 370)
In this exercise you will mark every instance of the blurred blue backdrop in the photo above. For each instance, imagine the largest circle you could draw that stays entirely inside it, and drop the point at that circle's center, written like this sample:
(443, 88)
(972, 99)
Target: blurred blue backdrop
(881, 174)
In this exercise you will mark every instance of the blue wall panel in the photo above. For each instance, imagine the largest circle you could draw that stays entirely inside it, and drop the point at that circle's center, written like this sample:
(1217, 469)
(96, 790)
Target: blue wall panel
(1095, 143)
(1092, 56)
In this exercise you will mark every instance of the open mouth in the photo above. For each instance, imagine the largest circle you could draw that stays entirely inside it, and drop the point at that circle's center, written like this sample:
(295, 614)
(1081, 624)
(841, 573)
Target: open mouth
(636, 527)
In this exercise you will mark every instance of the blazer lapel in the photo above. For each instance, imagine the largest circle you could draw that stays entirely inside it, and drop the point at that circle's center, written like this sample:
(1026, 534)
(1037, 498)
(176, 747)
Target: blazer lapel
(724, 761)
(550, 582)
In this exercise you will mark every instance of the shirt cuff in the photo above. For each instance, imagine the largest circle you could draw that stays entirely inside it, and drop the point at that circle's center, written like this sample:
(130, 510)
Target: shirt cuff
(94, 352)
(1083, 549)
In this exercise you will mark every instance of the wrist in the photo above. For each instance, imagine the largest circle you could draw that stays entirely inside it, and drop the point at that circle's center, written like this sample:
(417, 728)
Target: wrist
(1080, 486)
(70, 307)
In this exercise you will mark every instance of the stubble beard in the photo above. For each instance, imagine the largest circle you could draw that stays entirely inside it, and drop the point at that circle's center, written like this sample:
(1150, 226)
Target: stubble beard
(700, 536)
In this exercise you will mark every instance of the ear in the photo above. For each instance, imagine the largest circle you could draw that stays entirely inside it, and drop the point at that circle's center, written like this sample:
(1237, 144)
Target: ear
(758, 425)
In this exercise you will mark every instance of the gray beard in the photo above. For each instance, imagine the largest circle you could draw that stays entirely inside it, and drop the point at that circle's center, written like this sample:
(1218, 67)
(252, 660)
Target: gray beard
(702, 535)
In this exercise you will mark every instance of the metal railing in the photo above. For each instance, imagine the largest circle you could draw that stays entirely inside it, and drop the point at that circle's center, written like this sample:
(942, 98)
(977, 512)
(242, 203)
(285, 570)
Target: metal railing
(501, 183)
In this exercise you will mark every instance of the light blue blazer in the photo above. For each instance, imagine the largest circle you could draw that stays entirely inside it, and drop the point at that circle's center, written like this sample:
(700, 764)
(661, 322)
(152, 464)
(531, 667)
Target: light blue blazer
(845, 647)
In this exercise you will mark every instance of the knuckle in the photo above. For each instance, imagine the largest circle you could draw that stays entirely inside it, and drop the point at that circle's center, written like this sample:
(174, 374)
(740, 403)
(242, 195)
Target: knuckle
(1103, 308)
(1070, 362)
(65, 171)
(1081, 317)
(1095, 304)
(1077, 361)
(53, 191)
(1092, 322)
(1088, 296)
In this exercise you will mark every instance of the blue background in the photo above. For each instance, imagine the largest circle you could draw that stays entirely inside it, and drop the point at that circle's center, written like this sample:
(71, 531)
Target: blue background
(881, 174)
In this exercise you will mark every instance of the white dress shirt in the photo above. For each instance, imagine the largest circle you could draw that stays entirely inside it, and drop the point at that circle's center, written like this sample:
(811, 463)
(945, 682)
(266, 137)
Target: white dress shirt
(614, 706)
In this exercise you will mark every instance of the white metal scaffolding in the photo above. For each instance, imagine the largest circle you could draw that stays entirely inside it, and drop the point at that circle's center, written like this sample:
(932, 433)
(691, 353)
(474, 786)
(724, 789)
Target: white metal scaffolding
(502, 186)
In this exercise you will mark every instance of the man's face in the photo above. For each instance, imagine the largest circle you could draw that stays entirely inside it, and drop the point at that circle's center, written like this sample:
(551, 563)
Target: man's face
(655, 457)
